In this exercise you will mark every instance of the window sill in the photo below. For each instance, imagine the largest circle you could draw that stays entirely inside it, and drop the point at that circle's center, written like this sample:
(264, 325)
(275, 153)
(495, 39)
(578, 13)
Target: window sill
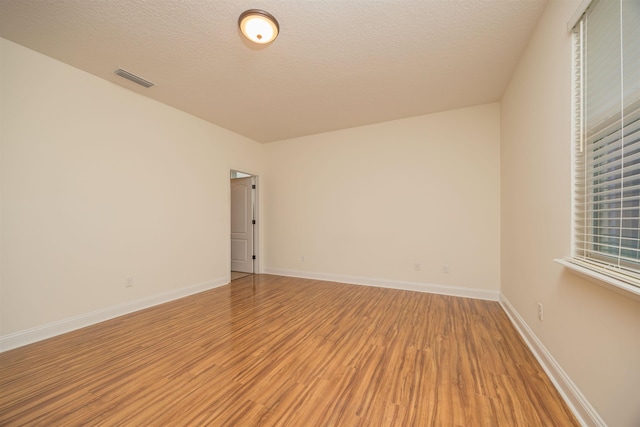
(601, 278)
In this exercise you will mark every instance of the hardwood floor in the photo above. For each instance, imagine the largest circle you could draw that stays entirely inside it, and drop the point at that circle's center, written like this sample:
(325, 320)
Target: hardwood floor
(239, 275)
(276, 351)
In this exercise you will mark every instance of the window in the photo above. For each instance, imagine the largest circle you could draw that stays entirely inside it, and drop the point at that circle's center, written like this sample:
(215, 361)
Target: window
(607, 140)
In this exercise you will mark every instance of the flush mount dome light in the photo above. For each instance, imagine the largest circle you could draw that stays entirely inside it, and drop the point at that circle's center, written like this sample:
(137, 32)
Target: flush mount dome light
(258, 26)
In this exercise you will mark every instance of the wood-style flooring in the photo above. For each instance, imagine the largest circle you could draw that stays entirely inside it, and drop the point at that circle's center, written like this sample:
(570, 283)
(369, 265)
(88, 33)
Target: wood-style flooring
(239, 275)
(275, 351)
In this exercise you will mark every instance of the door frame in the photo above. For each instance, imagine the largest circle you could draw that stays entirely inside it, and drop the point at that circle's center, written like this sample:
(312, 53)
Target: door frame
(257, 262)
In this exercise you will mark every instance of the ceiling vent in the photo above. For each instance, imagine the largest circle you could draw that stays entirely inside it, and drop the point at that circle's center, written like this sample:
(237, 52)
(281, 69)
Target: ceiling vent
(129, 76)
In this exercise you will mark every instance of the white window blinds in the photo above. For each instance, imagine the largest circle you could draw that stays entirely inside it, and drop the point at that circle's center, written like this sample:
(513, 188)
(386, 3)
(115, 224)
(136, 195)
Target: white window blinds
(607, 118)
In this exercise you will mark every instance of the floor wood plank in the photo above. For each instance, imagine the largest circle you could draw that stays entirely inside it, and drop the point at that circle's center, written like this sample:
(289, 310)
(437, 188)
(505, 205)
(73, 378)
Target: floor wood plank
(277, 351)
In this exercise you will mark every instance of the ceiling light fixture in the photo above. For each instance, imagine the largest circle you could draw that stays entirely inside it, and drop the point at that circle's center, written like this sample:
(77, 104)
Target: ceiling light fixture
(258, 26)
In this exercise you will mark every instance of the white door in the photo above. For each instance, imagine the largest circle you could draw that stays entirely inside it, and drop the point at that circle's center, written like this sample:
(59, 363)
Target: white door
(242, 225)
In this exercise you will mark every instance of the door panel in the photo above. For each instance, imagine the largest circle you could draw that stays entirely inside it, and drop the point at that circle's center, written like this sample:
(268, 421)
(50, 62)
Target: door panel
(241, 226)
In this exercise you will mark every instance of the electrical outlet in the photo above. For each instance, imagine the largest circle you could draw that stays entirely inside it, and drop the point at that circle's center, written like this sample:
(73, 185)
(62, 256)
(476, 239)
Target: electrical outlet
(417, 266)
(445, 269)
(128, 282)
(301, 258)
(540, 311)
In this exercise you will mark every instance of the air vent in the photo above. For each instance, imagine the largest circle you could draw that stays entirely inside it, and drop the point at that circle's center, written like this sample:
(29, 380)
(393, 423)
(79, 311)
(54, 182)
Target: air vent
(129, 76)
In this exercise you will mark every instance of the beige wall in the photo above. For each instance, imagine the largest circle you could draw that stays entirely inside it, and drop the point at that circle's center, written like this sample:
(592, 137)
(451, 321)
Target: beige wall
(372, 201)
(1, 133)
(100, 183)
(591, 331)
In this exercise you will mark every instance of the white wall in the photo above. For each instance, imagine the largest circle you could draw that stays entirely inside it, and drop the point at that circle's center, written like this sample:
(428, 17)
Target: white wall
(370, 202)
(593, 333)
(100, 183)
(1, 133)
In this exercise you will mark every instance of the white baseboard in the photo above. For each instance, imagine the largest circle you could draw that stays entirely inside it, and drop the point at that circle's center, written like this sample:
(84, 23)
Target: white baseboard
(392, 284)
(582, 409)
(28, 336)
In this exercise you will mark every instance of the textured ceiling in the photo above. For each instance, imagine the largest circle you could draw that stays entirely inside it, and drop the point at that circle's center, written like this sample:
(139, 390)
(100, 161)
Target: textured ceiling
(336, 63)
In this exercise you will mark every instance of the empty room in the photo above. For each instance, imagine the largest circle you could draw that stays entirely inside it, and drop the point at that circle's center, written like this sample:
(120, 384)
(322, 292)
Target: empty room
(320, 213)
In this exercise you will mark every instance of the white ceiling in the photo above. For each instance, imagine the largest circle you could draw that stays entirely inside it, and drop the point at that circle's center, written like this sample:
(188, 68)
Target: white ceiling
(336, 63)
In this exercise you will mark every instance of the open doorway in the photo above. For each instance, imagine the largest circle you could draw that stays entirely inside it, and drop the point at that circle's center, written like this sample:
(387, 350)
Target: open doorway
(243, 224)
